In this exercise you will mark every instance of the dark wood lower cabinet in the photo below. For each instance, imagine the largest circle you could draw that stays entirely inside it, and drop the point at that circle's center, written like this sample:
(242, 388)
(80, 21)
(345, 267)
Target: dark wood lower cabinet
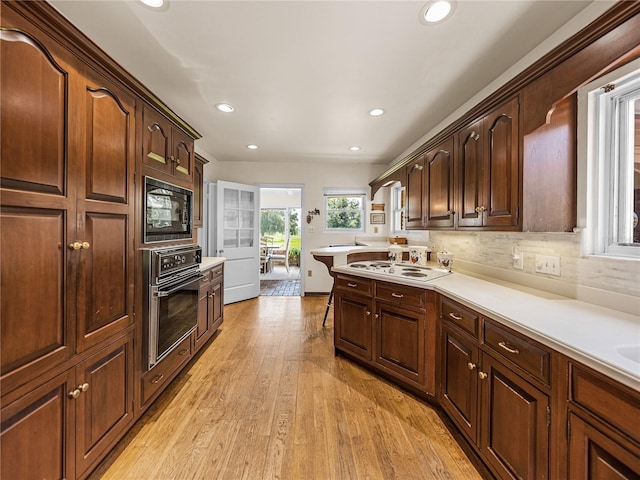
(399, 344)
(459, 381)
(210, 305)
(353, 324)
(514, 423)
(594, 455)
(63, 427)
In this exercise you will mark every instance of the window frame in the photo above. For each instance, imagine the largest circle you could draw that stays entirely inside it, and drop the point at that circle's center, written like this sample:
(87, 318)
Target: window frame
(398, 210)
(333, 193)
(605, 196)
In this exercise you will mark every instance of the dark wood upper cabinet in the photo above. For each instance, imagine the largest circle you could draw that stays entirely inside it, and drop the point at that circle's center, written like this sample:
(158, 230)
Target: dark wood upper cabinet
(488, 170)
(470, 168)
(415, 195)
(198, 190)
(502, 166)
(440, 185)
(166, 148)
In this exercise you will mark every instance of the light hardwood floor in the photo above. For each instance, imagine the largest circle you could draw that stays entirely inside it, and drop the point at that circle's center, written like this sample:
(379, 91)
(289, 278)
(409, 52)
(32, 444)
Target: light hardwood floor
(268, 399)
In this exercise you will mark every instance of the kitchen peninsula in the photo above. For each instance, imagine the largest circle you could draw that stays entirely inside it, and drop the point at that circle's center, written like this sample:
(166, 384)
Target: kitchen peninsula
(479, 346)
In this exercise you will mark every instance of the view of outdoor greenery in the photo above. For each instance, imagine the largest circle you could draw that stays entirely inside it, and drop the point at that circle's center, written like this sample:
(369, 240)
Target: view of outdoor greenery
(272, 223)
(344, 212)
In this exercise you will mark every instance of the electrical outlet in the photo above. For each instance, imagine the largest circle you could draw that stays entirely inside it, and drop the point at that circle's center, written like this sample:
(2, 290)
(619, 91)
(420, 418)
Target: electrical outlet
(548, 264)
(517, 258)
(309, 273)
(375, 229)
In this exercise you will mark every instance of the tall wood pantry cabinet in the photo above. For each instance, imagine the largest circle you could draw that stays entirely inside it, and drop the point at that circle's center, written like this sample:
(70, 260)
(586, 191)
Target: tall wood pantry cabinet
(67, 259)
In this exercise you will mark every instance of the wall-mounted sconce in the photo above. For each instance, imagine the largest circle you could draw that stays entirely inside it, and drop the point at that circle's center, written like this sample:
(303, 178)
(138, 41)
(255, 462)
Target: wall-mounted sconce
(311, 214)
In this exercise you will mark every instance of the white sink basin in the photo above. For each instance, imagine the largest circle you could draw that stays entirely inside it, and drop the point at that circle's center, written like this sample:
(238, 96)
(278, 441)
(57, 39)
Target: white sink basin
(630, 352)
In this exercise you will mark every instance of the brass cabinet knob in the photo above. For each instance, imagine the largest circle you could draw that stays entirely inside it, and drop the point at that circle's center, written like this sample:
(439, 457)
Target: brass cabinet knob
(157, 378)
(75, 246)
(74, 393)
(86, 245)
(450, 212)
(367, 313)
(84, 387)
(471, 365)
(376, 316)
(482, 375)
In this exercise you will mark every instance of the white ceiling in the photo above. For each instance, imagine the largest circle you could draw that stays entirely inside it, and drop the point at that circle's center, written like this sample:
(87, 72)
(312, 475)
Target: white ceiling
(304, 74)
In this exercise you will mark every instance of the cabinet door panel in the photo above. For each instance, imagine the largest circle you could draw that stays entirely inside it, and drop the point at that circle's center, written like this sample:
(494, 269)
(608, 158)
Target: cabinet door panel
(595, 456)
(439, 179)
(415, 194)
(37, 295)
(105, 281)
(502, 163)
(183, 155)
(109, 129)
(105, 213)
(514, 435)
(105, 409)
(217, 305)
(33, 115)
(156, 136)
(399, 342)
(353, 322)
(38, 433)
(470, 175)
(459, 389)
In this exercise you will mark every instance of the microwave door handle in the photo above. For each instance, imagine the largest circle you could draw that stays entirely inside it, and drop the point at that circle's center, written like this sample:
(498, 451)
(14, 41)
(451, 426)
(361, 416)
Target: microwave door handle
(166, 293)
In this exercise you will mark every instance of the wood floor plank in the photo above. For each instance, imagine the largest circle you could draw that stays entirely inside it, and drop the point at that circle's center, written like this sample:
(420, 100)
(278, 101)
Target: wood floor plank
(268, 399)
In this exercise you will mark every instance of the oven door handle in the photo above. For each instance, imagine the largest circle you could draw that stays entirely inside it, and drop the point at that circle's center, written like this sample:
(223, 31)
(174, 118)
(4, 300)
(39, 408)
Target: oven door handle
(166, 293)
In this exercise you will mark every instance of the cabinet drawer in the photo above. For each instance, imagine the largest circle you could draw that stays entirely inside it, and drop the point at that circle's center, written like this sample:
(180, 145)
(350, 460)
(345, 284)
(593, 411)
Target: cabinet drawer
(216, 271)
(363, 286)
(613, 403)
(530, 356)
(407, 296)
(463, 317)
(157, 378)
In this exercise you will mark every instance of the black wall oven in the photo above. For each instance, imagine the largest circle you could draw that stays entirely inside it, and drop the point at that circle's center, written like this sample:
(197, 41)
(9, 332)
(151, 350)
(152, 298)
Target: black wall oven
(168, 211)
(171, 302)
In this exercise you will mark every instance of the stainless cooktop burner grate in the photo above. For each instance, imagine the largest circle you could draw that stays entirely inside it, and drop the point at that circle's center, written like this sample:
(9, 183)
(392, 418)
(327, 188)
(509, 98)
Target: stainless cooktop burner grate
(381, 264)
(358, 265)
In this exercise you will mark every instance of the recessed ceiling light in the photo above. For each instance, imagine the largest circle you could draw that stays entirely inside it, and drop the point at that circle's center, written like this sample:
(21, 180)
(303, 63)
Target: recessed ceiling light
(153, 3)
(436, 11)
(225, 107)
(252, 147)
(376, 112)
(354, 148)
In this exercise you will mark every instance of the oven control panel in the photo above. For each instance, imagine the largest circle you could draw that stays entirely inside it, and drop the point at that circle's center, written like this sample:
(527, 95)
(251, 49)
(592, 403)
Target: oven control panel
(167, 261)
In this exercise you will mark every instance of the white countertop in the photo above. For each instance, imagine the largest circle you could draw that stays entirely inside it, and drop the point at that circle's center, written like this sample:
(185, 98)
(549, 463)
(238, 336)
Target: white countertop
(210, 262)
(346, 249)
(587, 333)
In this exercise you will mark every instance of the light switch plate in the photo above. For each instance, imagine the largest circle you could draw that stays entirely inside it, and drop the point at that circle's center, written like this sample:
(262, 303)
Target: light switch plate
(548, 264)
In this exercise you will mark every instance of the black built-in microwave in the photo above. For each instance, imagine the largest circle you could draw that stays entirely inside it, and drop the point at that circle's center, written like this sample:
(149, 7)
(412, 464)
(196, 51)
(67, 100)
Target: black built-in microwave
(168, 211)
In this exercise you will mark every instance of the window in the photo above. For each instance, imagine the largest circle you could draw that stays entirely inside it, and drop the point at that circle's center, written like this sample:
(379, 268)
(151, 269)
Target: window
(344, 210)
(612, 168)
(397, 208)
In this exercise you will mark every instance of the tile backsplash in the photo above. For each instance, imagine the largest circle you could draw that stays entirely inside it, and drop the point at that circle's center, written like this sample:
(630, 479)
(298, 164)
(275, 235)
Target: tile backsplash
(591, 277)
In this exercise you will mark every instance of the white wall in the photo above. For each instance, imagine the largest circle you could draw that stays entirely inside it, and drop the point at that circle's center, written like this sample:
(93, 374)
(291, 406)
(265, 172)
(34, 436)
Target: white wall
(314, 179)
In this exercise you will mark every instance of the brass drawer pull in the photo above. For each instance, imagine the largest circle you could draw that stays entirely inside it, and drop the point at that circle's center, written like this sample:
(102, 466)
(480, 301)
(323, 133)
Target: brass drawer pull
(157, 378)
(83, 387)
(352, 285)
(74, 393)
(184, 351)
(508, 348)
(482, 375)
(471, 365)
(397, 295)
(455, 317)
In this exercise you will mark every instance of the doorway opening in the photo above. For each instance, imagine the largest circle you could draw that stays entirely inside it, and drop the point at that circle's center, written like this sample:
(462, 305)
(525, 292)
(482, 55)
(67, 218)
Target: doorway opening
(280, 241)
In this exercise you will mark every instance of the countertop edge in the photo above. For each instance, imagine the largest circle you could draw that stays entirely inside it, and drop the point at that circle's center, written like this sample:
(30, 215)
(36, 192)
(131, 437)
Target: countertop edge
(210, 262)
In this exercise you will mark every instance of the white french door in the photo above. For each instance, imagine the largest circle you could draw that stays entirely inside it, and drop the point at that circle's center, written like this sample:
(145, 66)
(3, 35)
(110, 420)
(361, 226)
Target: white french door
(238, 230)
